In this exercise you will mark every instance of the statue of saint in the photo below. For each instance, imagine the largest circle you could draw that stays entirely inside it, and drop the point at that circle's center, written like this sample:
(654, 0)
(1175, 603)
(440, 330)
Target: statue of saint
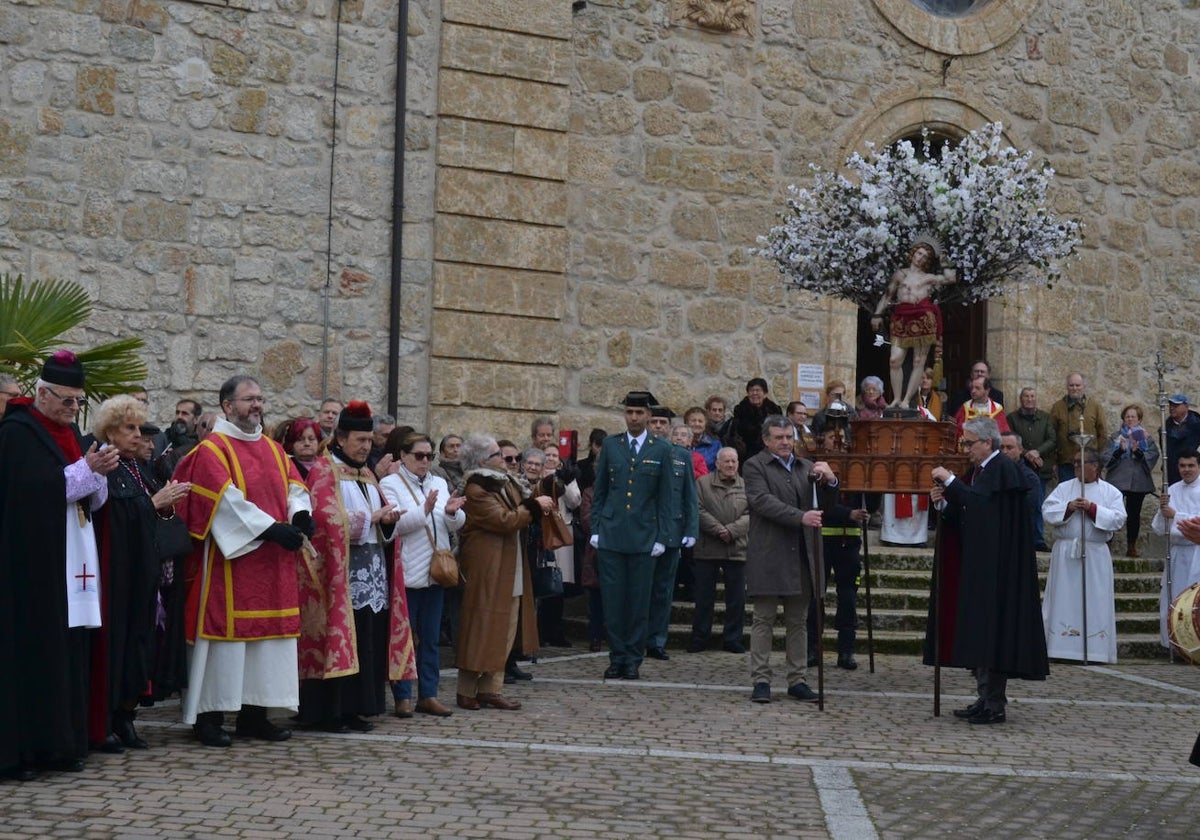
(916, 321)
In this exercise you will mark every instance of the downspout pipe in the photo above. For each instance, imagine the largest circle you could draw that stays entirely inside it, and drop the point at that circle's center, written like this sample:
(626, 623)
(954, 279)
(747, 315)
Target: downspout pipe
(399, 123)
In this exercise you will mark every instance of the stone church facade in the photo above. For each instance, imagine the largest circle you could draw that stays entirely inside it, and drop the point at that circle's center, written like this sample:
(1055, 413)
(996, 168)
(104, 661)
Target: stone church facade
(581, 183)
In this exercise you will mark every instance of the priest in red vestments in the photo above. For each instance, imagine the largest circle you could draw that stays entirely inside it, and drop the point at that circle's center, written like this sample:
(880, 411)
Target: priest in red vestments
(249, 510)
(49, 567)
(354, 618)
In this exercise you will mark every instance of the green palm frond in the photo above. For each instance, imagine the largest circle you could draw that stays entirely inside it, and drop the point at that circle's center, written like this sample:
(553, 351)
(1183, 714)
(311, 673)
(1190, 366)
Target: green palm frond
(33, 318)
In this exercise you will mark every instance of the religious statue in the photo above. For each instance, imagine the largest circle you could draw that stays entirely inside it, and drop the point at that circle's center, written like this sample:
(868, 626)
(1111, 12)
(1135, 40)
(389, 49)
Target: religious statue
(916, 321)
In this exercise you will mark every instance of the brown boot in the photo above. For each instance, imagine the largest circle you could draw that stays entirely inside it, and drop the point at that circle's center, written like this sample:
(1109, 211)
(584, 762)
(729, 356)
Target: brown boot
(404, 708)
(498, 701)
(433, 706)
(469, 703)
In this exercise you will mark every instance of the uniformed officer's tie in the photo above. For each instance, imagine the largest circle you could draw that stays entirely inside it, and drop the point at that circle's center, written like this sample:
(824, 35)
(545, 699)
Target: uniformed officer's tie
(633, 447)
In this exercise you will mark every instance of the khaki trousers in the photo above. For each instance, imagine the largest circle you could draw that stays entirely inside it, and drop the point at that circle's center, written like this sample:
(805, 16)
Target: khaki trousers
(472, 683)
(795, 621)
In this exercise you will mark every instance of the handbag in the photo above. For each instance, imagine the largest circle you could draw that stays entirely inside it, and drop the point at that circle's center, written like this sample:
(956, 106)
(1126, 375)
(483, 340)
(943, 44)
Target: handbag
(443, 565)
(171, 537)
(547, 580)
(556, 533)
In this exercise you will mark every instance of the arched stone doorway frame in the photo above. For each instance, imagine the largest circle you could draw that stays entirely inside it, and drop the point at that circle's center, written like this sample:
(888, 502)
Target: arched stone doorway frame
(949, 112)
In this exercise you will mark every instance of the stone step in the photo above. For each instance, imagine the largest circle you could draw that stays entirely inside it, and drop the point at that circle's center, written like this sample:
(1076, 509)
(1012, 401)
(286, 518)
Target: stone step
(1132, 646)
(916, 580)
(922, 559)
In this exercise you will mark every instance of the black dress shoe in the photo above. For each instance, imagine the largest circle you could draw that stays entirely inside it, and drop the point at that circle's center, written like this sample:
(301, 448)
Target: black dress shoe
(516, 673)
(123, 729)
(66, 765)
(970, 711)
(847, 662)
(111, 744)
(986, 717)
(614, 672)
(357, 724)
(631, 672)
(336, 726)
(211, 735)
(262, 729)
(657, 653)
(761, 693)
(802, 692)
(733, 647)
(24, 773)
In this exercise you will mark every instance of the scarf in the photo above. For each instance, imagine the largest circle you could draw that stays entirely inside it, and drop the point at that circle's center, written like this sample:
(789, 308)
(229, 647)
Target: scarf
(64, 436)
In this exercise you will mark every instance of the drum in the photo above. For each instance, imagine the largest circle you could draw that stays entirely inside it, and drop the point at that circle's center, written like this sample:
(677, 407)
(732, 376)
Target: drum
(1183, 624)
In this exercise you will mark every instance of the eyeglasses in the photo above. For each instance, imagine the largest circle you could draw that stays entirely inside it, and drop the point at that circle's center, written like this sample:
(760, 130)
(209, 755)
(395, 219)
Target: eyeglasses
(967, 444)
(510, 459)
(67, 401)
(495, 454)
(260, 400)
(425, 456)
(12, 395)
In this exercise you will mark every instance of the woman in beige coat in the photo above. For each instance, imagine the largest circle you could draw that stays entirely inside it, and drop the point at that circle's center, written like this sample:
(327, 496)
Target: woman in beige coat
(498, 587)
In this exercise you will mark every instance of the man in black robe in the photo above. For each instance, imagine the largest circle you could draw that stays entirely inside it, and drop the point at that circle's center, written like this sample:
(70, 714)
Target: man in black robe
(49, 487)
(998, 632)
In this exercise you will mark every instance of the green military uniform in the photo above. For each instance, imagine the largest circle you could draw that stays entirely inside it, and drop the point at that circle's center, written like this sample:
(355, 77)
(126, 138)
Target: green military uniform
(630, 513)
(683, 521)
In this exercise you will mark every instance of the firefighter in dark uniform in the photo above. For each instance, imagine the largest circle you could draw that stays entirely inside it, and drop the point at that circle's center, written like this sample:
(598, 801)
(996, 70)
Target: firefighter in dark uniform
(841, 532)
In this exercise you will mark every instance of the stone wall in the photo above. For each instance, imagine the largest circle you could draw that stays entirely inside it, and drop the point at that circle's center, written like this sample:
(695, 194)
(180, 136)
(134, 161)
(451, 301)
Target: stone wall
(581, 188)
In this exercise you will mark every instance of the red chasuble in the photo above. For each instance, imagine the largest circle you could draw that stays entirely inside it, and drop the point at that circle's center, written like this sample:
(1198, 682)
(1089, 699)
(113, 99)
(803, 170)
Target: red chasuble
(327, 646)
(256, 595)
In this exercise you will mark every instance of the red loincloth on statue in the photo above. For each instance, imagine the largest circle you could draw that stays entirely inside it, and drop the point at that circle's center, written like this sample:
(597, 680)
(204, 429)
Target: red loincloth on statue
(916, 324)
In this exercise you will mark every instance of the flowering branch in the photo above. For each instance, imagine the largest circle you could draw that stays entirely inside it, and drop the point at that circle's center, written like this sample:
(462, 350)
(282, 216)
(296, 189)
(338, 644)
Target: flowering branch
(983, 199)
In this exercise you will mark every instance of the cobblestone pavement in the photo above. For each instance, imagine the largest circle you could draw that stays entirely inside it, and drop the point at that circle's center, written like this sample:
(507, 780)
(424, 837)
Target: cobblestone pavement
(1093, 752)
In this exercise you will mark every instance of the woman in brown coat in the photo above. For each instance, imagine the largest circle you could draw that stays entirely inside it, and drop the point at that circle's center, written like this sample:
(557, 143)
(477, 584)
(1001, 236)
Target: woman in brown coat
(498, 585)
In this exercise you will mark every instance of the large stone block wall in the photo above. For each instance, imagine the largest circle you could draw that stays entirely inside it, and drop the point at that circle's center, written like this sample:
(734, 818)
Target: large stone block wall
(175, 159)
(581, 188)
(683, 141)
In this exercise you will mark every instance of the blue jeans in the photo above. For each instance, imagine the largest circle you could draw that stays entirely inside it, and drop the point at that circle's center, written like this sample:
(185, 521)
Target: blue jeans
(425, 616)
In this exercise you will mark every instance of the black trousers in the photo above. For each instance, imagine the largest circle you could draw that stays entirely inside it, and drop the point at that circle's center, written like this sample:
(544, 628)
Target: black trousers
(705, 589)
(843, 563)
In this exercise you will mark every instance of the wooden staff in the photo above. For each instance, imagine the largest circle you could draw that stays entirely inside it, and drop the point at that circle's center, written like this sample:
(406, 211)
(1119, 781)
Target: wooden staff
(866, 545)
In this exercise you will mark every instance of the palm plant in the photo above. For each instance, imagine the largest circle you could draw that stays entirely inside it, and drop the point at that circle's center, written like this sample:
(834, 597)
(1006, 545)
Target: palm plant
(33, 318)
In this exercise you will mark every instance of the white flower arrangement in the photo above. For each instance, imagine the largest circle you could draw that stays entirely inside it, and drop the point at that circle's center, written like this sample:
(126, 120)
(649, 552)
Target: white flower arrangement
(984, 200)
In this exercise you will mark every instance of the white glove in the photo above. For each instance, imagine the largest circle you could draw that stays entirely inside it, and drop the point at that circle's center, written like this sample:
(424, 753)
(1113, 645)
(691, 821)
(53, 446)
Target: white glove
(594, 542)
(688, 542)
(658, 549)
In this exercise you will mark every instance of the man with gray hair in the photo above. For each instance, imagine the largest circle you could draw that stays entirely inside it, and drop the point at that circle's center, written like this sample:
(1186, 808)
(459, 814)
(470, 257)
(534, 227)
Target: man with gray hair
(9, 390)
(784, 565)
(996, 612)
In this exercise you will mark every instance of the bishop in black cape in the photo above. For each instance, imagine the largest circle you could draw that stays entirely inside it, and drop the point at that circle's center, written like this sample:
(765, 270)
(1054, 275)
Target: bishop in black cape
(43, 693)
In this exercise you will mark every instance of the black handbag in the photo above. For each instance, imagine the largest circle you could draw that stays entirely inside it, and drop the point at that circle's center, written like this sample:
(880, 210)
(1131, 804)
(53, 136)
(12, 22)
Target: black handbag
(547, 580)
(171, 537)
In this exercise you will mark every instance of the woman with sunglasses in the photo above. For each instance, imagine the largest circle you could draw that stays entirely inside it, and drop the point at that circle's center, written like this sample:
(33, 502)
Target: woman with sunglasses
(431, 514)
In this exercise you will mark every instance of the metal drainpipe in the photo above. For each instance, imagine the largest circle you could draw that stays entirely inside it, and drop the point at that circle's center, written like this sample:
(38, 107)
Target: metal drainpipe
(393, 344)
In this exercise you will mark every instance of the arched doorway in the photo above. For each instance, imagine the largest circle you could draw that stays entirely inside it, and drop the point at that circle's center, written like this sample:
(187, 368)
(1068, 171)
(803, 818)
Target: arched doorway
(964, 326)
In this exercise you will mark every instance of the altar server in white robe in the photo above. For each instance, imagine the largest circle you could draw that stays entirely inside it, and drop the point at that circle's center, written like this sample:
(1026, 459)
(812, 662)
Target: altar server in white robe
(906, 516)
(1091, 514)
(1181, 502)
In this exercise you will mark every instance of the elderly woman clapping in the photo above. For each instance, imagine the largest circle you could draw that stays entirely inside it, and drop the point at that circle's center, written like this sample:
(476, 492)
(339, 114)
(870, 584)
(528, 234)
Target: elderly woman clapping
(498, 586)
(130, 566)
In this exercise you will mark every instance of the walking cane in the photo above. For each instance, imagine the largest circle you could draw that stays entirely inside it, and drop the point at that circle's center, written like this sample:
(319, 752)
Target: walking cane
(1161, 367)
(1083, 440)
(866, 544)
(819, 569)
(937, 619)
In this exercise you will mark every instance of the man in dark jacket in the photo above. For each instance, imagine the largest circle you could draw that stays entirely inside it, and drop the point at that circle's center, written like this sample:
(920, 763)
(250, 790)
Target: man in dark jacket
(1183, 433)
(998, 632)
(784, 564)
(1037, 436)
